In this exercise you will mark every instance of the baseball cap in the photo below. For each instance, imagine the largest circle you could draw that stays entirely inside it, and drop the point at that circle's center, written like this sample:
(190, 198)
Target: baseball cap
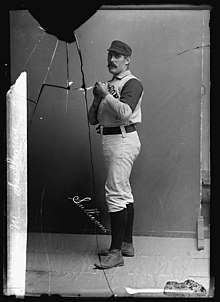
(120, 47)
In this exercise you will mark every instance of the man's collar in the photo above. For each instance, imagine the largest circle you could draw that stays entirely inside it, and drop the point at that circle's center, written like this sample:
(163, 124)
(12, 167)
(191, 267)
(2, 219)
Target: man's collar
(122, 74)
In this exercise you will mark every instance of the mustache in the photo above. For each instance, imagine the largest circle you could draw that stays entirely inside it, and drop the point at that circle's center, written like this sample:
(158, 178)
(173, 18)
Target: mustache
(111, 65)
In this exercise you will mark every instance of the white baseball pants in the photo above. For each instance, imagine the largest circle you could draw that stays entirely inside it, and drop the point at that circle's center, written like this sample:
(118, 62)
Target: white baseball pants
(120, 152)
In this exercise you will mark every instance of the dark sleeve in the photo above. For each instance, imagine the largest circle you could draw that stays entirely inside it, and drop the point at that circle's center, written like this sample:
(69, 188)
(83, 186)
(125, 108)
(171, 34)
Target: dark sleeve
(93, 115)
(131, 93)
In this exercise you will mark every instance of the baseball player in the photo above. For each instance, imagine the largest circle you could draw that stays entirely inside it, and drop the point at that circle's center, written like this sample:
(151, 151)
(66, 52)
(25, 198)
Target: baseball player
(116, 109)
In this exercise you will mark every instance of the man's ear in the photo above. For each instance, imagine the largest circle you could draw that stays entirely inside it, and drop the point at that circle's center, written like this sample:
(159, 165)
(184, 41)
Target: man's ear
(128, 60)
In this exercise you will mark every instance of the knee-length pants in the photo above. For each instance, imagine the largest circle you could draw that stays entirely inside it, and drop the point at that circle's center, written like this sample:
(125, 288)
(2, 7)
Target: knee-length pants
(120, 152)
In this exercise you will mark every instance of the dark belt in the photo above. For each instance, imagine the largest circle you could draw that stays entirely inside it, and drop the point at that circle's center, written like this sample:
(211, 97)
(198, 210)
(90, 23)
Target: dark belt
(117, 130)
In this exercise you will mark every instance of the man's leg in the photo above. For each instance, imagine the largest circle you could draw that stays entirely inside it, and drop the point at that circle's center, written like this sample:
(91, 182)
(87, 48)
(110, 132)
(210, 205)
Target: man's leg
(127, 240)
(118, 224)
(114, 255)
(127, 245)
(119, 157)
(129, 226)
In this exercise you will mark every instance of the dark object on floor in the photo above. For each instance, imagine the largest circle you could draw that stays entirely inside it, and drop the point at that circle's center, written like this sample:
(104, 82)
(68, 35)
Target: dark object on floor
(113, 259)
(127, 250)
(188, 288)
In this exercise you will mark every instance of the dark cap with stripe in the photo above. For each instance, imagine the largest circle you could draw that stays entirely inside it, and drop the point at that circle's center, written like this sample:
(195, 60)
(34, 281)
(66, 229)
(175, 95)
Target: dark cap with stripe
(120, 47)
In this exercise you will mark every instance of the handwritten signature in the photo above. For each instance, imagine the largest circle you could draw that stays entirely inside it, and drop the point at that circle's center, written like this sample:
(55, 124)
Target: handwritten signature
(88, 212)
(14, 162)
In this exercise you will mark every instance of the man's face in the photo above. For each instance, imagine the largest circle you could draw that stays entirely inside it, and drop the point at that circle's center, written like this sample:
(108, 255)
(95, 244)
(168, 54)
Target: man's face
(117, 62)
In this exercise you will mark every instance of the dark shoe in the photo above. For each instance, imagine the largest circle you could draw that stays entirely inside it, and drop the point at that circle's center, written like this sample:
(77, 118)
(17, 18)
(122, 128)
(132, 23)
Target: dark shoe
(127, 250)
(104, 252)
(114, 259)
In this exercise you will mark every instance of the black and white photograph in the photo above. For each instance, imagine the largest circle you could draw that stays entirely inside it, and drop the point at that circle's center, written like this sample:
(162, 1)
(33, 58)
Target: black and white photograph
(108, 151)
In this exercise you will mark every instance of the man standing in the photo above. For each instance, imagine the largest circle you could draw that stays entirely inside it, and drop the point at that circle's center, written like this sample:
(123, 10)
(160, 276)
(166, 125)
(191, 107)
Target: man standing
(117, 108)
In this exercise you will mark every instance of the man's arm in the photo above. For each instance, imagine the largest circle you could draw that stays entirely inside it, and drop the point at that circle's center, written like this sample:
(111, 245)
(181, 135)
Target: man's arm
(93, 115)
(130, 95)
(93, 110)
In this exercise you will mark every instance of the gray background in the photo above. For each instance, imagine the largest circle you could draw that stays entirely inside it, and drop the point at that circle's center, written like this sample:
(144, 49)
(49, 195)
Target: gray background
(166, 176)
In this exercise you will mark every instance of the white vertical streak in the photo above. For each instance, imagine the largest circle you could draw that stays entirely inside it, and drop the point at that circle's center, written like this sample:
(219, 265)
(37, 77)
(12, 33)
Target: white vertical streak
(16, 186)
(51, 61)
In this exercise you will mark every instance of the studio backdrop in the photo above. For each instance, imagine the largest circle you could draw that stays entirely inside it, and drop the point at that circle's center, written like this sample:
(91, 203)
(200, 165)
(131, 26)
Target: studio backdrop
(171, 58)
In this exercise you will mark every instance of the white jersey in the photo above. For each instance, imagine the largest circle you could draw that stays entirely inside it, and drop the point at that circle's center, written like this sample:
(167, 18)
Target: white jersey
(112, 112)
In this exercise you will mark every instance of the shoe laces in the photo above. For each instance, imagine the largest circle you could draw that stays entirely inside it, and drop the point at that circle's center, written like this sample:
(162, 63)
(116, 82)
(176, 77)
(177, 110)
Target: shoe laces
(110, 256)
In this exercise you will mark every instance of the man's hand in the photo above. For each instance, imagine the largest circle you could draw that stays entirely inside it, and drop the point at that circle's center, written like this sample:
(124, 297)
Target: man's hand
(100, 90)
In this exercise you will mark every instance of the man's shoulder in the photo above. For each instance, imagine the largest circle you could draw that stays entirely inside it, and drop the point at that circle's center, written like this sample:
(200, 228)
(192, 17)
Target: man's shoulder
(133, 82)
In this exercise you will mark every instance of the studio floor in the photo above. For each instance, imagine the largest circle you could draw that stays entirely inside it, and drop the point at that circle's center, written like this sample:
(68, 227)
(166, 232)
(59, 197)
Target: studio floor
(64, 264)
